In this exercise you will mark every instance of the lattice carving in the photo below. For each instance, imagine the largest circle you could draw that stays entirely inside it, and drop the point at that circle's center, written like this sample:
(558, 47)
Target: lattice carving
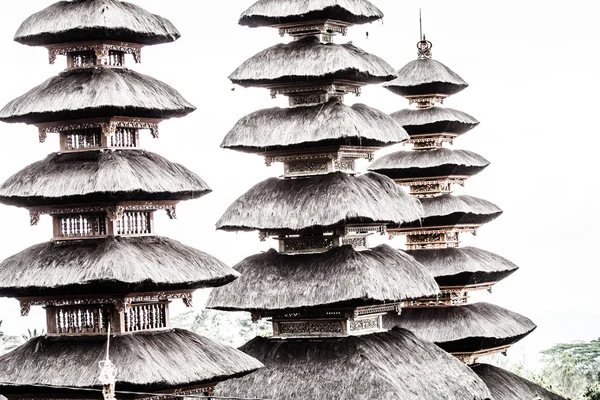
(356, 242)
(309, 328)
(134, 223)
(309, 167)
(306, 244)
(119, 301)
(311, 88)
(324, 27)
(365, 324)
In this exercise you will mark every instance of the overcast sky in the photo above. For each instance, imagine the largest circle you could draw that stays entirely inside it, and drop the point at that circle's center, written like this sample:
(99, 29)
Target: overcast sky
(533, 75)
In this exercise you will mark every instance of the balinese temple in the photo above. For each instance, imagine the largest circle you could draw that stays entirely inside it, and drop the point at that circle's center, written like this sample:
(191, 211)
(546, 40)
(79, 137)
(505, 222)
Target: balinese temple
(466, 330)
(324, 289)
(105, 268)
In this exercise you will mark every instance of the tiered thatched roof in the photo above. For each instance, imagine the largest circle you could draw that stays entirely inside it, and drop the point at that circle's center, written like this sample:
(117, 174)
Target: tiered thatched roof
(272, 12)
(505, 385)
(96, 92)
(110, 265)
(309, 59)
(466, 328)
(456, 210)
(434, 120)
(341, 276)
(464, 265)
(393, 365)
(426, 76)
(320, 201)
(79, 20)
(329, 124)
(145, 361)
(429, 163)
(96, 176)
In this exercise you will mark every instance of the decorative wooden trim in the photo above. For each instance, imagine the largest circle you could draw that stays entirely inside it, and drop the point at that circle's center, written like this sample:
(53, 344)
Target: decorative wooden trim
(308, 90)
(108, 125)
(471, 357)
(113, 211)
(121, 302)
(326, 27)
(100, 48)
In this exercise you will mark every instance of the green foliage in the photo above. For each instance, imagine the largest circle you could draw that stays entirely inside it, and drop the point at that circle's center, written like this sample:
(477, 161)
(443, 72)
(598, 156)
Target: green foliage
(592, 392)
(584, 355)
(33, 334)
(231, 328)
(8, 342)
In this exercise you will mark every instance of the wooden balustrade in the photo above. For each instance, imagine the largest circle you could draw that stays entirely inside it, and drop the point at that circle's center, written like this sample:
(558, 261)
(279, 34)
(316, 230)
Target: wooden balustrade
(80, 225)
(134, 223)
(82, 139)
(78, 319)
(146, 316)
(124, 137)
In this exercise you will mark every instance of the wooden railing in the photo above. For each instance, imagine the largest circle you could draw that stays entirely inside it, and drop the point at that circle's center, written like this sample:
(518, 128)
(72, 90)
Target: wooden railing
(83, 139)
(134, 223)
(80, 225)
(78, 319)
(146, 316)
(123, 137)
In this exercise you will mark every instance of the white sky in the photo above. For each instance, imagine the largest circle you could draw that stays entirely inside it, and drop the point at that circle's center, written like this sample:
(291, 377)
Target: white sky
(533, 74)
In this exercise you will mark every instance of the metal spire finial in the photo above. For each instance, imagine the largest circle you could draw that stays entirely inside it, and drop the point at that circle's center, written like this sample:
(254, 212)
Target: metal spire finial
(424, 46)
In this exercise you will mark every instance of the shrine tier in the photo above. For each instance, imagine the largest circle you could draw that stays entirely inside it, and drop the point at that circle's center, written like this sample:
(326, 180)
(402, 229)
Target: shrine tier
(468, 331)
(105, 265)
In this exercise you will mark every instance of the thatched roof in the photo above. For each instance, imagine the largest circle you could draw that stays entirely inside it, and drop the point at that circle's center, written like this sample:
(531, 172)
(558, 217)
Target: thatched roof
(455, 210)
(308, 58)
(392, 365)
(429, 163)
(470, 327)
(103, 175)
(322, 200)
(340, 276)
(96, 92)
(505, 385)
(110, 265)
(426, 76)
(87, 20)
(148, 361)
(332, 123)
(434, 120)
(273, 12)
(464, 265)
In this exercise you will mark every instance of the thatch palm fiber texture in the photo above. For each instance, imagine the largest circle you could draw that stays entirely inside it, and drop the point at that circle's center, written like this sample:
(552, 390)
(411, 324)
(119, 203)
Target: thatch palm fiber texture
(320, 201)
(468, 327)
(434, 120)
(271, 12)
(110, 265)
(464, 265)
(332, 123)
(393, 365)
(307, 60)
(145, 361)
(455, 210)
(426, 76)
(505, 385)
(340, 276)
(86, 20)
(99, 176)
(96, 92)
(429, 163)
